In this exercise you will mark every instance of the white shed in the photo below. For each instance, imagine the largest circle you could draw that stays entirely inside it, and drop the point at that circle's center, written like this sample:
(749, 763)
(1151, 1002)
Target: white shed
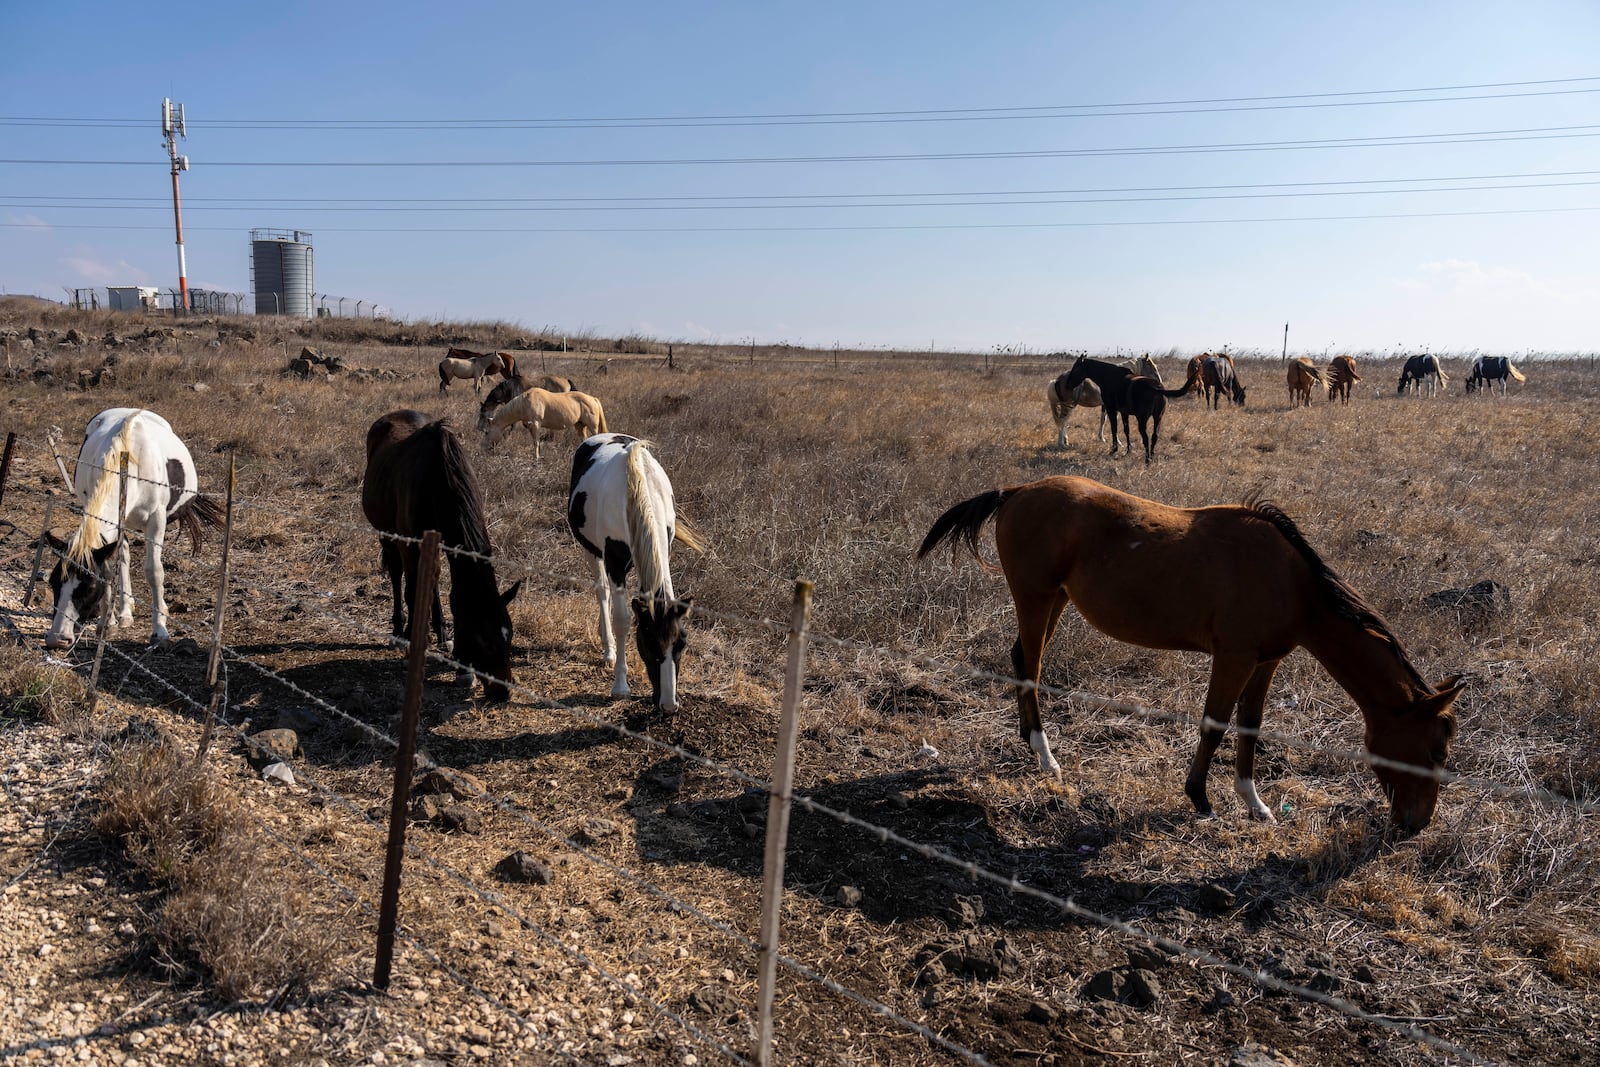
(132, 297)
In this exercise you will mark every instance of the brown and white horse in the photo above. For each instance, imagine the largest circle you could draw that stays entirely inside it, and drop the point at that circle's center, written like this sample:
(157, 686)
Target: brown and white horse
(1239, 583)
(1341, 375)
(537, 408)
(465, 363)
(1303, 374)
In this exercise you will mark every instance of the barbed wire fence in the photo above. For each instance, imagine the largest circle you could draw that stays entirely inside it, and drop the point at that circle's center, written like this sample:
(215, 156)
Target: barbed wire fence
(780, 796)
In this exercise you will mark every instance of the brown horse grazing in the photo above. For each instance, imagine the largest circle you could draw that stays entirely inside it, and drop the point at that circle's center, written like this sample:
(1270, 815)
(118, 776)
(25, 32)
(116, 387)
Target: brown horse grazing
(1303, 374)
(538, 407)
(1341, 374)
(1237, 582)
(1124, 393)
(515, 385)
(465, 363)
(418, 479)
(1217, 375)
(1062, 400)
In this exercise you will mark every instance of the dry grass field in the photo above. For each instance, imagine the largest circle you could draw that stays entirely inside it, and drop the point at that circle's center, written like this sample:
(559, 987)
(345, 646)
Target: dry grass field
(1481, 931)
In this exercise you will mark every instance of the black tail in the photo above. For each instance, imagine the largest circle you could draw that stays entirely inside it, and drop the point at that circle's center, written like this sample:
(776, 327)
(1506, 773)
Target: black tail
(1187, 387)
(963, 523)
(195, 516)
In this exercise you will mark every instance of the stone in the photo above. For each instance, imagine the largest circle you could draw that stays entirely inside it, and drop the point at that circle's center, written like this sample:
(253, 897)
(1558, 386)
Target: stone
(271, 746)
(1148, 957)
(848, 896)
(594, 830)
(1041, 1013)
(967, 911)
(460, 818)
(523, 868)
(1478, 602)
(716, 1001)
(1252, 1055)
(458, 784)
(1215, 897)
(1141, 989)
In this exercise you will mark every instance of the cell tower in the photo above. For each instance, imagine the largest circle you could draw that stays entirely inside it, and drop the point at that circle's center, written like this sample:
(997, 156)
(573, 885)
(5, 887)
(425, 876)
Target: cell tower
(172, 129)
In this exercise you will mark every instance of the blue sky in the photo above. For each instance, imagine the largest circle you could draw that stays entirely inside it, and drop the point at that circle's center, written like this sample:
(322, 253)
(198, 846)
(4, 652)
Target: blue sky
(781, 239)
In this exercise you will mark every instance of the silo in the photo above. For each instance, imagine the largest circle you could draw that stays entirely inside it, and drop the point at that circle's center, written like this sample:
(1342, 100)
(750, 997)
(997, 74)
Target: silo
(281, 272)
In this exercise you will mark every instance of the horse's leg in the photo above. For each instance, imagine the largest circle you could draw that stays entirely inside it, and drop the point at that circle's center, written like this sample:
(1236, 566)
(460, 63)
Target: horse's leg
(1037, 616)
(1111, 417)
(1102, 424)
(1127, 434)
(156, 575)
(390, 553)
(1251, 703)
(1061, 425)
(621, 620)
(1144, 435)
(1229, 674)
(602, 591)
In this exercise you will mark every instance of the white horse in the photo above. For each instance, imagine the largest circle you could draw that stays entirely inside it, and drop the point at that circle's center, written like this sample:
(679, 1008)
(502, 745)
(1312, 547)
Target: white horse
(464, 363)
(620, 509)
(161, 490)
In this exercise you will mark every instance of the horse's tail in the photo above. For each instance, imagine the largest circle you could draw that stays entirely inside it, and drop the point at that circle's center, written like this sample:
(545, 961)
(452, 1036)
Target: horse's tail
(963, 523)
(1515, 373)
(444, 375)
(600, 416)
(1191, 385)
(645, 527)
(195, 515)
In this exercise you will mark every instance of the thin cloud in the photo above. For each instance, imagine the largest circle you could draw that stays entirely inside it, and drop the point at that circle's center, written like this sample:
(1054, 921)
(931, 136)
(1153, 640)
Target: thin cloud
(101, 272)
(31, 222)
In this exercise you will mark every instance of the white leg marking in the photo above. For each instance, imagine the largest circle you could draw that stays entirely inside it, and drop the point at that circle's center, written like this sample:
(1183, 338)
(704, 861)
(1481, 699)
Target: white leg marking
(1047, 762)
(669, 685)
(621, 619)
(602, 593)
(1246, 788)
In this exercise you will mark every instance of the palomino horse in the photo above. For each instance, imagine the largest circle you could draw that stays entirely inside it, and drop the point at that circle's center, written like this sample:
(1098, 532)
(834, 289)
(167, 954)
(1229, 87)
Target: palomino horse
(538, 407)
(1487, 370)
(1124, 393)
(1341, 375)
(417, 479)
(1218, 377)
(1237, 582)
(620, 509)
(1303, 374)
(1423, 374)
(1062, 400)
(464, 363)
(161, 491)
(515, 385)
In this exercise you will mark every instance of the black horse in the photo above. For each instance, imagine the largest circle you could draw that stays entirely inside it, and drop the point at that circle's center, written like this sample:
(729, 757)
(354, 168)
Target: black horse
(1125, 393)
(418, 479)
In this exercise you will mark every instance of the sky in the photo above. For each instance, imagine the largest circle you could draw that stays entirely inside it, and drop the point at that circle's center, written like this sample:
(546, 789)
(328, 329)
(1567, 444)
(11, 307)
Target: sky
(1028, 177)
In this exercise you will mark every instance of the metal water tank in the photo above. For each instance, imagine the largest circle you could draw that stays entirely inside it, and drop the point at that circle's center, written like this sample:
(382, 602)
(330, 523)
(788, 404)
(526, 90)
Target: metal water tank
(281, 273)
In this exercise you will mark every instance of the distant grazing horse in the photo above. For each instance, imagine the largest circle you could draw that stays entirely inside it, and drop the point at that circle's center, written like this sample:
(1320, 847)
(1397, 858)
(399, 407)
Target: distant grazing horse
(1124, 393)
(1423, 374)
(1062, 400)
(418, 479)
(516, 385)
(537, 408)
(161, 491)
(464, 363)
(620, 509)
(1341, 375)
(1487, 370)
(1237, 582)
(1303, 374)
(1219, 378)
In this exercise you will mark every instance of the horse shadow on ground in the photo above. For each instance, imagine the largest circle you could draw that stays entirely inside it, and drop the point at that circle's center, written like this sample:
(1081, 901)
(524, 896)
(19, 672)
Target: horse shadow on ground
(888, 881)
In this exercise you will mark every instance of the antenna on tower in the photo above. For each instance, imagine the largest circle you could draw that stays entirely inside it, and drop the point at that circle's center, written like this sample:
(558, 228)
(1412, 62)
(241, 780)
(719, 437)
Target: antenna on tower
(172, 128)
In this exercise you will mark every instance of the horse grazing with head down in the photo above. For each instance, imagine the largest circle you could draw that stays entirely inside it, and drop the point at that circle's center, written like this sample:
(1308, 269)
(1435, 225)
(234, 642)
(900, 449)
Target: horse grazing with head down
(1487, 370)
(1237, 582)
(161, 491)
(1303, 374)
(1341, 375)
(1423, 375)
(537, 407)
(1127, 394)
(464, 363)
(418, 479)
(620, 509)
(1218, 377)
(514, 386)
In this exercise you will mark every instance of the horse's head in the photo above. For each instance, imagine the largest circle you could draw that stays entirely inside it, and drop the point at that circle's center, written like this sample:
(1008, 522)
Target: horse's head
(1077, 372)
(80, 591)
(1418, 735)
(662, 631)
(494, 425)
(485, 644)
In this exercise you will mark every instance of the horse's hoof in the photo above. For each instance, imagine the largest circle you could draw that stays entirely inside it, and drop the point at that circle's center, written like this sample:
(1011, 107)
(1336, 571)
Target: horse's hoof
(623, 692)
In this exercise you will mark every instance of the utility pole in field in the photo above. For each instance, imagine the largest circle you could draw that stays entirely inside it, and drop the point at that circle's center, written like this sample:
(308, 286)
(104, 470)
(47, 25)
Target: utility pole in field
(172, 129)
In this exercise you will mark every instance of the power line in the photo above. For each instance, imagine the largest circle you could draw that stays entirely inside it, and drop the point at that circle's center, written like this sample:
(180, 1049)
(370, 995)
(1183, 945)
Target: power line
(1536, 133)
(1194, 106)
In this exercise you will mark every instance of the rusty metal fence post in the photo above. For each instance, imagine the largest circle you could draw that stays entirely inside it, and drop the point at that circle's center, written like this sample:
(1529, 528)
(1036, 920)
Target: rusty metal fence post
(214, 663)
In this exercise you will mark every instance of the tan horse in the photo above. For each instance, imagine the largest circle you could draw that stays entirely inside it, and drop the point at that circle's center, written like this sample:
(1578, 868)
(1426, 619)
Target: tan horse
(1303, 374)
(516, 384)
(538, 408)
(1341, 376)
(1063, 400)
(1239, 583)
(464, 363)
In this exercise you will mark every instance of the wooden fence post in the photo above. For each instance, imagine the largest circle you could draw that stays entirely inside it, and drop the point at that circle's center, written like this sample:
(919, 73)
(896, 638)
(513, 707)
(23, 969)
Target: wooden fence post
(416, 667)
(38, 551)
(213, 672)
(779, 797)
(115, 600)
(5, 462)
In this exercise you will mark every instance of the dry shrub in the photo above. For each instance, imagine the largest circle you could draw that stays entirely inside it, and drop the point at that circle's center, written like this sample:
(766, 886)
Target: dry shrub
(231, 911)
(33, 690)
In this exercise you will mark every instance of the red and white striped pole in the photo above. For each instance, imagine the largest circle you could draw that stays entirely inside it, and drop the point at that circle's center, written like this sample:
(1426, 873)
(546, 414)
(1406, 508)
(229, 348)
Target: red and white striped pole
(172, 127)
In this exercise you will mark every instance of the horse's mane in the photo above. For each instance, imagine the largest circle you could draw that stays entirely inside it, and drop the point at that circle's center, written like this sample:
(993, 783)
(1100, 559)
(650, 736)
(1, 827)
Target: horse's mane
(1345, 602)
(101, 497)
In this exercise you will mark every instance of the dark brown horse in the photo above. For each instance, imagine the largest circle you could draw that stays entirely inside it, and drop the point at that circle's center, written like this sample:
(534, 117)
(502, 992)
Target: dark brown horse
(1125, 393)
(418, 479)
(1217, 376)
(1237, 582)
(1341, 375)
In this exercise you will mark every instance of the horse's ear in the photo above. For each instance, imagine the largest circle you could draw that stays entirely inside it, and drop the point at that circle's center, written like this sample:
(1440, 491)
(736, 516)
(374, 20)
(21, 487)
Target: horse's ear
(104, 552)
(680, 608)
(641, 607)
(509, 594)
(1453, 684)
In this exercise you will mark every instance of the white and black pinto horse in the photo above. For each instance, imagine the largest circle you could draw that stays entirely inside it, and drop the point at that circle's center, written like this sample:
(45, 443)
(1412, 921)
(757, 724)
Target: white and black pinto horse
(620, 509)
(161, 491)
(1423, 374)
(1488, 370)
